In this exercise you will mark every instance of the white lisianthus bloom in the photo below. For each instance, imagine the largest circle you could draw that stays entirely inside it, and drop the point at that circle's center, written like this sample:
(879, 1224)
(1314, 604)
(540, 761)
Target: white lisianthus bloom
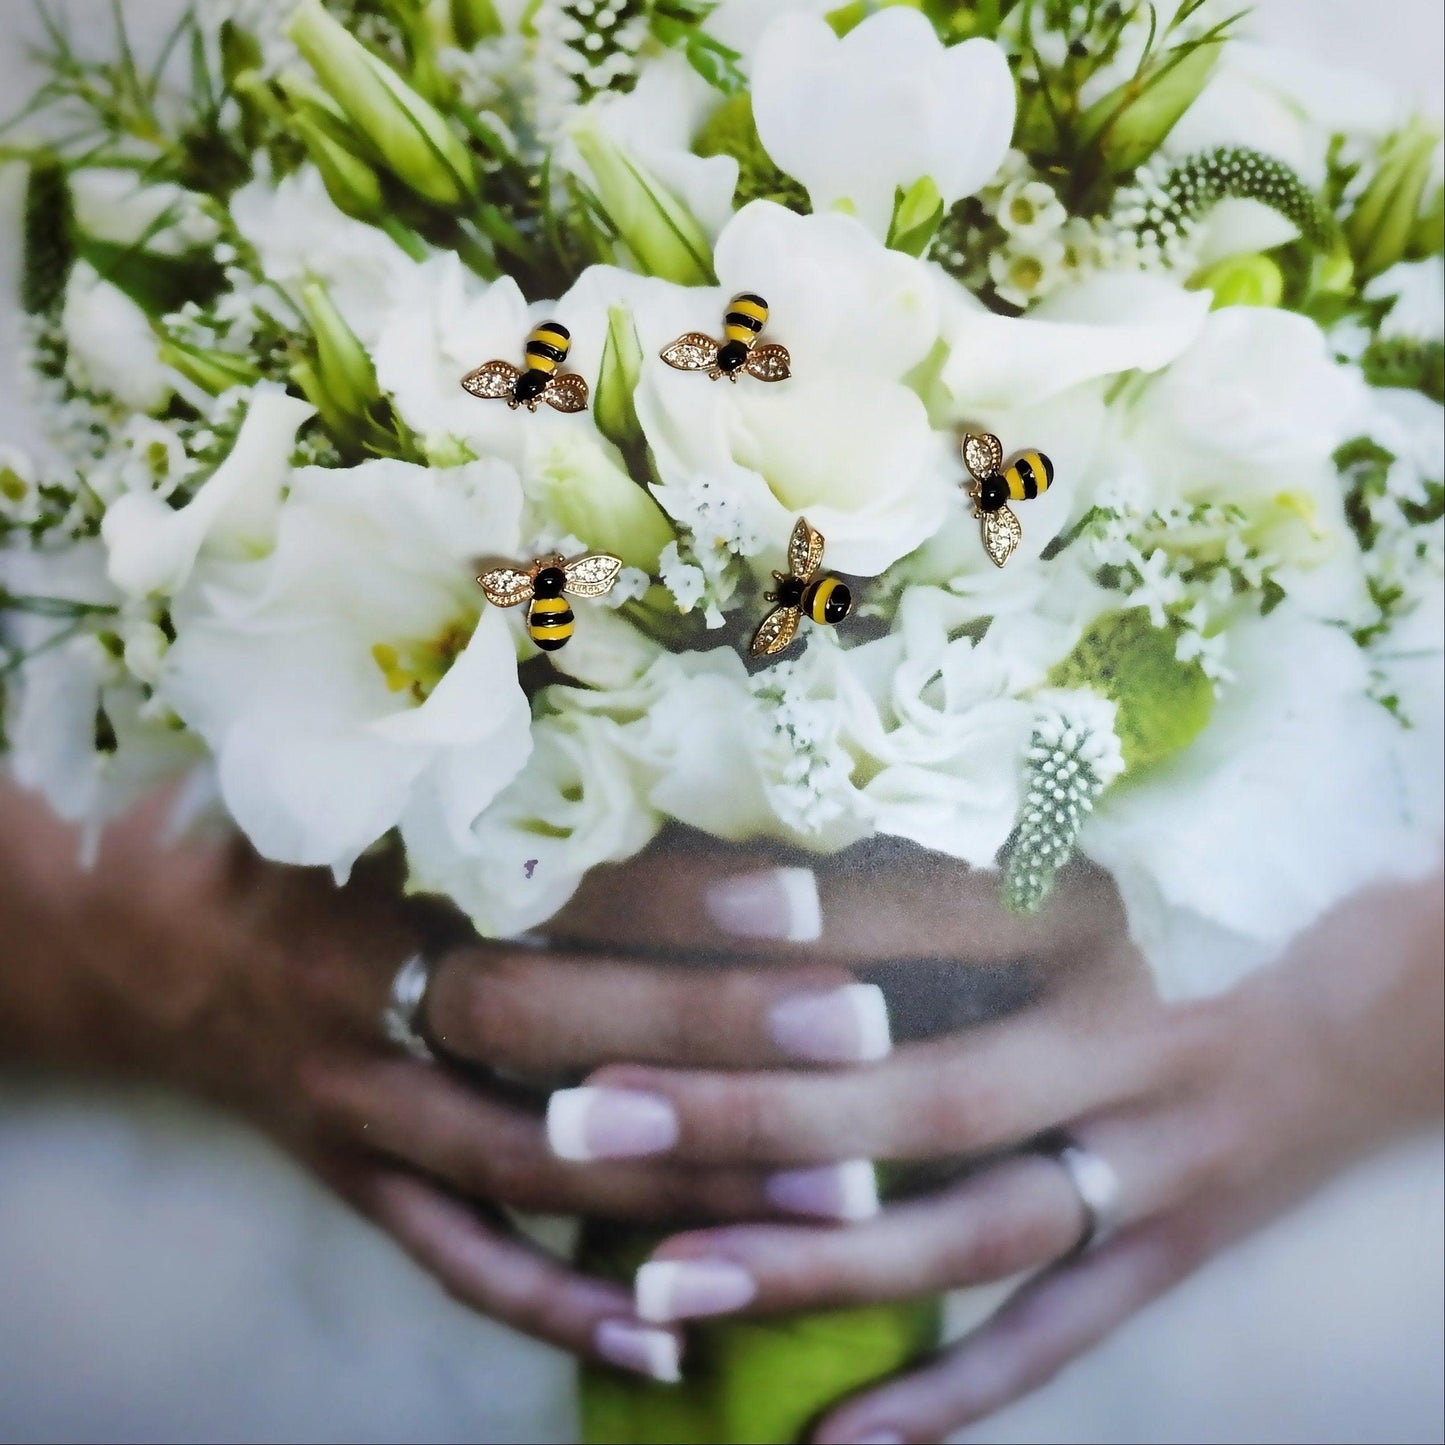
(355, 675)
(575, 804)
(300, 236)
(111, 344)
(843, 440)
(153, 546)
(1289, 801)
(882, 108)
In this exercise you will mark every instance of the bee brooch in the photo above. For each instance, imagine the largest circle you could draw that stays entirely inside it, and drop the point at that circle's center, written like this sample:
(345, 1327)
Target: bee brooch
(746, 316)
(547, 349)
(995, 486)
(542, 586)
(825, 599)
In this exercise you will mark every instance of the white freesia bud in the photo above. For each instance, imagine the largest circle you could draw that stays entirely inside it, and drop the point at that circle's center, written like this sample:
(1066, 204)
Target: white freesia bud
(859, 118)
(112, 346)
(153, 546)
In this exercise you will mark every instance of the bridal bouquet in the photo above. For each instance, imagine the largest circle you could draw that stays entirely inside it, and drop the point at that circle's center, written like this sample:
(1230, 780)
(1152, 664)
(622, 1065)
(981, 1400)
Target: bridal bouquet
(1192, 285)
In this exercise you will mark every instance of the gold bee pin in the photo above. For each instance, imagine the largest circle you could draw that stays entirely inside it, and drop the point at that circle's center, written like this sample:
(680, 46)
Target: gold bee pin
(995, 486)
(747, 314)
(801, 590)
(547, 349)
(543, 586)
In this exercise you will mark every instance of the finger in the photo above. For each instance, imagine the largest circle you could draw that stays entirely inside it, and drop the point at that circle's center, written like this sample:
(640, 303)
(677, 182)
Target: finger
(1046, 1324)
(742, 902)
(996, 1087)
(513, 1282)
(1018, 1215)
(483, 1148)
(546, 1014)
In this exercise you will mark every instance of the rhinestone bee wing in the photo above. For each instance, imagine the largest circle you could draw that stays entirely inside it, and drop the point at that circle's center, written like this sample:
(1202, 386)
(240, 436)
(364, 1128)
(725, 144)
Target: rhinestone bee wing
(694, 351)
(1001, 534)
(778, 629)
(769, 363)
(982, 455)
(506, 586)
(805, 550)
(567, 392)
(496, 379)
(592, 575)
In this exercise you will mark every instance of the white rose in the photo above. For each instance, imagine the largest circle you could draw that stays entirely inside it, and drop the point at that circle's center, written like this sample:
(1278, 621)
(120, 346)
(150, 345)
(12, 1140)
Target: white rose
(112, 346)
(354, 676)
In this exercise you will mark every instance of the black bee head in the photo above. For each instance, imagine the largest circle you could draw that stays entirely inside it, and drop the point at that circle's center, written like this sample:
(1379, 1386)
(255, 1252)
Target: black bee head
(549, 582)
(992, 493)
(789, 593)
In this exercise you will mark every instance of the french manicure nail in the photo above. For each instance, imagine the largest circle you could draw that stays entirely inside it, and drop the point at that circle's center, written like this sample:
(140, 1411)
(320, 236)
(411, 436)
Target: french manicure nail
(641, 1349)
(778, 903)
(847, 1025)
(846, 1191)
(602, 1123)
(684, 1289)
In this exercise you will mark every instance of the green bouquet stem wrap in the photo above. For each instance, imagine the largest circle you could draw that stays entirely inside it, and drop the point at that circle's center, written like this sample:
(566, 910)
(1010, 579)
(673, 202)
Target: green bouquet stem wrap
(762, 1381)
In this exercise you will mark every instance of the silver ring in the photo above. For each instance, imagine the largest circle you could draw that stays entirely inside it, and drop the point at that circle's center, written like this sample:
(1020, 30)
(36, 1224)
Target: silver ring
(401, 1020)
(1095, 1183)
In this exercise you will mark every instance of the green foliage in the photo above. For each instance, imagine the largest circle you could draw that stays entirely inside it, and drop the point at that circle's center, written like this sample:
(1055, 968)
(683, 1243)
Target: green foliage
(1163, 704)
(731, 131)
(1404, 361)
(49, 251)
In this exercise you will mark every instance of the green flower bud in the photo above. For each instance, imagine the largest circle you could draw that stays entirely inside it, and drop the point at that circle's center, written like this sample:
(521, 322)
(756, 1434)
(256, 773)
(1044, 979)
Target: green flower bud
(662, 235)
(410, 135)
(473, 21)
(587, 493)
(1252, 279)
(612, 406)
(1380, 228)
(354, 188)
(1163, 704)
(343, 369)
(213, 371)
(1130, 123)
(1427, 235)
(916, 217)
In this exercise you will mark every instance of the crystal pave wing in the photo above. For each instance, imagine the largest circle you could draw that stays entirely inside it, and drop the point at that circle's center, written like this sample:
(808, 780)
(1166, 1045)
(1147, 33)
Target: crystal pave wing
(695, 351)
(777, 630)
(496, 380)
(769, 363)
(567, 392)
(982, 455)
(1001, 534)
(592, 575)
(506, 586)
(805, 550)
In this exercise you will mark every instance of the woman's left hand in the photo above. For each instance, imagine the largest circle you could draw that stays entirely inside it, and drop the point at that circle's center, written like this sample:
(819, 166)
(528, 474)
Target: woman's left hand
(1213, 1117)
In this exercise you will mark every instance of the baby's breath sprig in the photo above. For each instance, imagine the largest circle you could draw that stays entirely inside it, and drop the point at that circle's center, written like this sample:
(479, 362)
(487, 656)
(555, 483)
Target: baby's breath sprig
(1072, 758)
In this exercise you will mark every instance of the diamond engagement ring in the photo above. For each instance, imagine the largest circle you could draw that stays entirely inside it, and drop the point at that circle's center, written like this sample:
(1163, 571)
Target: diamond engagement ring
(401, 1020)
(1095, 1183)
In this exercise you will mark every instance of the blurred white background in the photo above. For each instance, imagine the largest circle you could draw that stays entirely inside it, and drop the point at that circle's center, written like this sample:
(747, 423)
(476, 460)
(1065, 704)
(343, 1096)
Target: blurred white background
(164, 1275)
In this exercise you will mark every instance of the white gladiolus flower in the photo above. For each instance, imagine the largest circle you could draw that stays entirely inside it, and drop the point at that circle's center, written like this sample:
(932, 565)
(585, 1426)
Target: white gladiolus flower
(355, 678)
(887, 105)
(153, 546)
(112, 346)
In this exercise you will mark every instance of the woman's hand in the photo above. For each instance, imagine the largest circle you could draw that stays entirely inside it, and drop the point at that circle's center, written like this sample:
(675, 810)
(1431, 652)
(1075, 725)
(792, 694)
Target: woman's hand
(1213, 1116)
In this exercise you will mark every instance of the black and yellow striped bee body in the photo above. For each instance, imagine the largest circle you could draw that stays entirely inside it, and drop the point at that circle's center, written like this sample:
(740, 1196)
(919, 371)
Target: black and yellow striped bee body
(827, 600)
(547, 349)
(550, 620)
(747, 314)
(800, 592)
(995, 485)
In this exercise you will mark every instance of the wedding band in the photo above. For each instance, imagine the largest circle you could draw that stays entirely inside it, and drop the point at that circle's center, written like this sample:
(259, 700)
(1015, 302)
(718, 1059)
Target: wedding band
(401, 1019)
(1095, 1183)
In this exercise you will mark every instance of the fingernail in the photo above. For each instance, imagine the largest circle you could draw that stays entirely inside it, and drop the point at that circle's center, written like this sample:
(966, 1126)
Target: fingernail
(684, 1289)
(600, 1123)
(641, 1349)
(846, 1191)
(779, 903)
(847, 1025)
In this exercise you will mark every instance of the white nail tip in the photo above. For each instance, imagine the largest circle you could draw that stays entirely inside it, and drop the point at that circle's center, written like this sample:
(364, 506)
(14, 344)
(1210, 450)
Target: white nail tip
(567, 1123)
(870, 1009)
(663, 1356)
(805, 908)
(654, 1289)
(857, 1190)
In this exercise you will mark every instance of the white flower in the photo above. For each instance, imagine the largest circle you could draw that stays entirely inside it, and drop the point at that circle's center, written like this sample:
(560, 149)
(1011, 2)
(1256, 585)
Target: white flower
(117, 206)
(575, 804)
(1027, 269)
(345, 683)
(112, 346)
(153, 546)
(1417, 290)
(882, 108)
(1029, 209)
(19, 494)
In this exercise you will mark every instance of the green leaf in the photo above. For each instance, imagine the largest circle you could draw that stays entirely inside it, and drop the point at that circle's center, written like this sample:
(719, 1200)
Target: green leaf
(158, 284)
(917, 214)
